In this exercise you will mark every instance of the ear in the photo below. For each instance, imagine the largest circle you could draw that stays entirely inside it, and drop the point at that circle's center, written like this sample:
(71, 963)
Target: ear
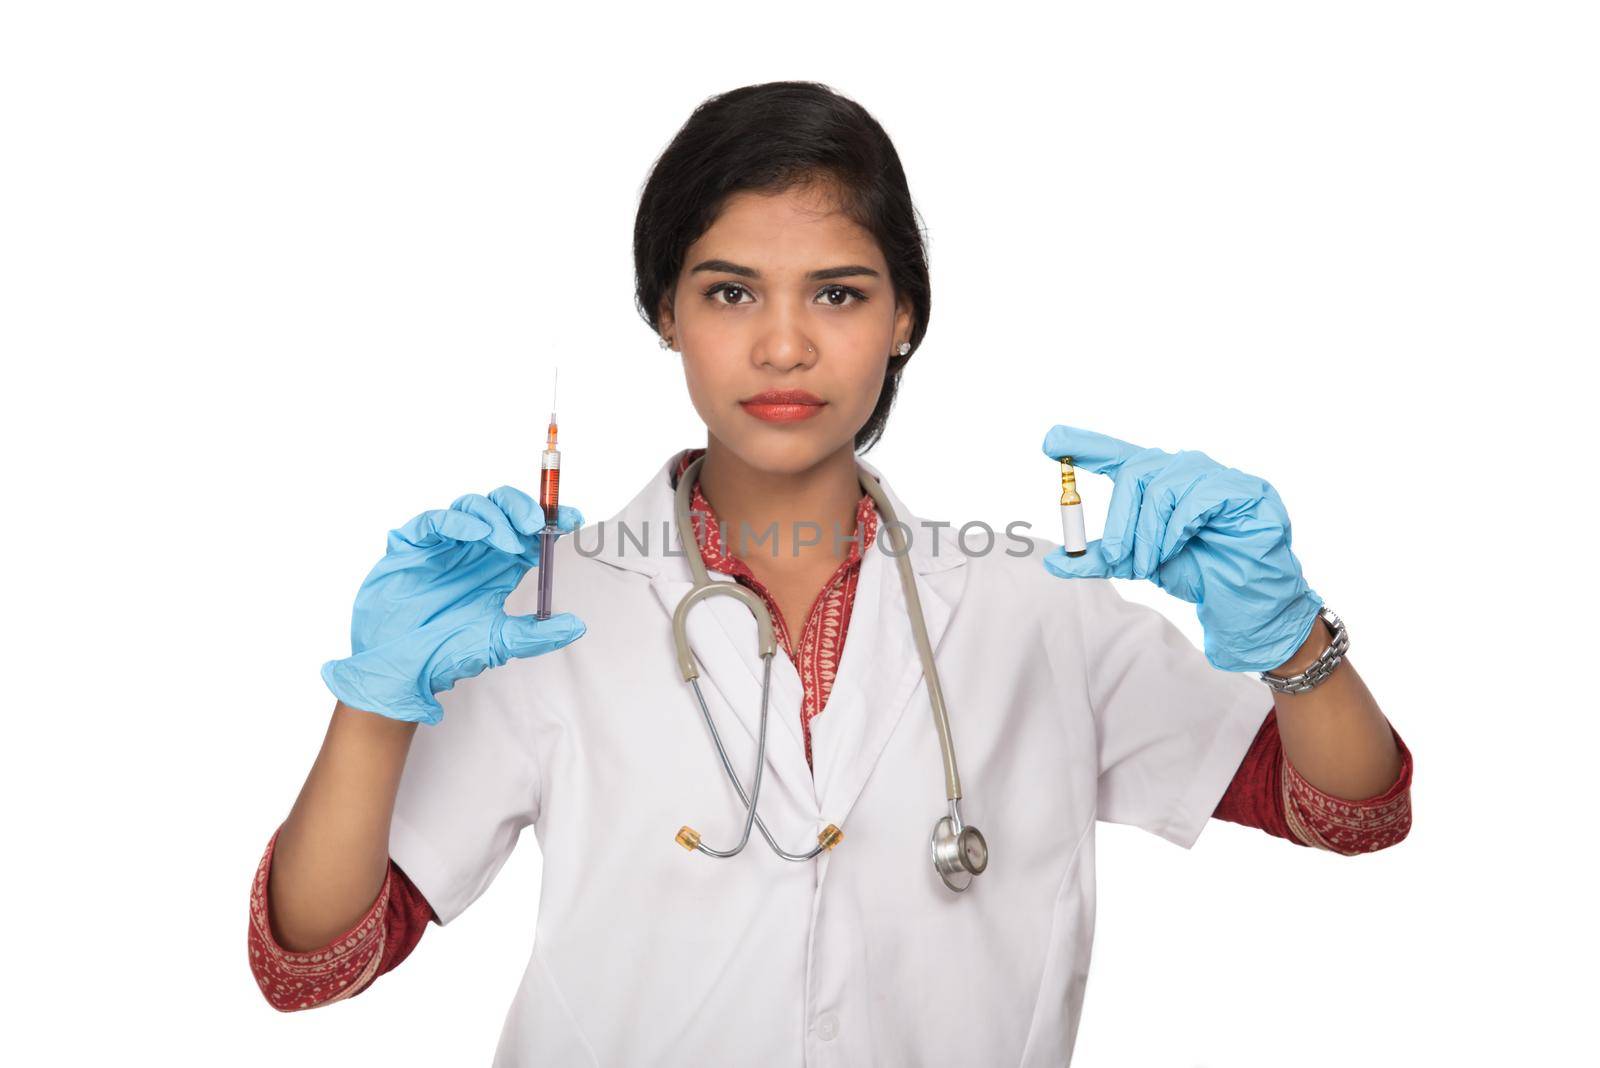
(904, 320)
(668, 324)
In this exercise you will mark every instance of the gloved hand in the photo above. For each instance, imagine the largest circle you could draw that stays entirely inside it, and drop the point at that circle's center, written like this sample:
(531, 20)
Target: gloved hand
(429, 614)
(1214, 536)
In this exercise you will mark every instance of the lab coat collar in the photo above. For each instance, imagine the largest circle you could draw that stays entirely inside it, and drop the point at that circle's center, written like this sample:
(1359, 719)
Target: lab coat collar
(878, 673)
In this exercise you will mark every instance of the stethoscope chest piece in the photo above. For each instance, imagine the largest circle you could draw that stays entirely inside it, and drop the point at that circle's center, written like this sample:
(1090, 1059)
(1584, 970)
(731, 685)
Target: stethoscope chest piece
(959, 853)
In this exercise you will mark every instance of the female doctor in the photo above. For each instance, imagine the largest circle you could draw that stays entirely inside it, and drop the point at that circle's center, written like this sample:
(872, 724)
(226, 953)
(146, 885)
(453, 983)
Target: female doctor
(917, 884)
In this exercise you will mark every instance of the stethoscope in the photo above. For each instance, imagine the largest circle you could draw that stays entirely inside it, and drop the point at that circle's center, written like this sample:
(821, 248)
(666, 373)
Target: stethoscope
(959, 852)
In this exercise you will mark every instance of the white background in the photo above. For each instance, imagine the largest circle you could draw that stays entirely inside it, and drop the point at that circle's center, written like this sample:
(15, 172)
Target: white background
(278, 277)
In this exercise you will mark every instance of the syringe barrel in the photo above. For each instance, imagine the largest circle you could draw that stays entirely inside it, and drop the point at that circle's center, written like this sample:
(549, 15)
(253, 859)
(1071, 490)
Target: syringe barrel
(550, 485)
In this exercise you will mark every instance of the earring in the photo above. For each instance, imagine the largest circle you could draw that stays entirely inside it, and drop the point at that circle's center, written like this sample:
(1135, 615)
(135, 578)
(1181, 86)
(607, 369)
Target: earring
(905, 347)
(665, 342)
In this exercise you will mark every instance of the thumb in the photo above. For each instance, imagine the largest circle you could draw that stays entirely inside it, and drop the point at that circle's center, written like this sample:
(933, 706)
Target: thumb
(531, 636)
(1092, 564)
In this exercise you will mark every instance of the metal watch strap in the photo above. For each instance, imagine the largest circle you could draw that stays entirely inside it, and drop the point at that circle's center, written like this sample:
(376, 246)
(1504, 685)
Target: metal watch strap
(1331, 657)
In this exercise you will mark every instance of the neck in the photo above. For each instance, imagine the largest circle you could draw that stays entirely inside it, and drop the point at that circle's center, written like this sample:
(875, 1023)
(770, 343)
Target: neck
(752, 500)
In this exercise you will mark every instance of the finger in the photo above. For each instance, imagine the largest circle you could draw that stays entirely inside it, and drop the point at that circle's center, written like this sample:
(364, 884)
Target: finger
(568, 519)
(1181, 482)
(1092, 564)
(440, 524)
(1224, 493)
(1089, 450)
(527, 515)
(531, 636)
(503, 536)
(1127, 500)
(522, 510)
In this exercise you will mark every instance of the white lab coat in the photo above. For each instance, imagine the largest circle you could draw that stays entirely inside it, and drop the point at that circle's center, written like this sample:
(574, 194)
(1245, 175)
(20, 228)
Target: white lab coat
(1067, 704)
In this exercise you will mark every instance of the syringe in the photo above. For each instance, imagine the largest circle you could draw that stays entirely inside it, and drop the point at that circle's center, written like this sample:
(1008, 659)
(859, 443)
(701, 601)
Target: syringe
(550, 501)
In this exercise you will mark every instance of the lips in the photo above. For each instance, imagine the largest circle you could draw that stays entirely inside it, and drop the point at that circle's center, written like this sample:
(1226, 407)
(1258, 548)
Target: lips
(783, 405)
(783, 396)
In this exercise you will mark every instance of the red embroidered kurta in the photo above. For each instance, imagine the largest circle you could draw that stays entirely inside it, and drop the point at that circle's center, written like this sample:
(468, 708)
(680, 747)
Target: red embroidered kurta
(1266, 792)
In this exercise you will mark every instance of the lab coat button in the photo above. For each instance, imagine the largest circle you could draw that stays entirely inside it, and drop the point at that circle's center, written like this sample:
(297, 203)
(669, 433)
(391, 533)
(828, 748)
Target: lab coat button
(828, 1027)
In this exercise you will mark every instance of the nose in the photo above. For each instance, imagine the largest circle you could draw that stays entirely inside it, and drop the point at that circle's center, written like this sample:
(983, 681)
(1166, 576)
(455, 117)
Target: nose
(784, 347)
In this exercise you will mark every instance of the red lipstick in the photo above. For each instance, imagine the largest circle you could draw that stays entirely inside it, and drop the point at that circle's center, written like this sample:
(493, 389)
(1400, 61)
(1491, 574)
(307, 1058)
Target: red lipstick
(783, 405)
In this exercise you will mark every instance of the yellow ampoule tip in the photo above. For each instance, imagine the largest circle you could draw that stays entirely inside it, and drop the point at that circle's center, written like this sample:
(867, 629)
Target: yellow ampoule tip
(689, 838)
(1069, 483)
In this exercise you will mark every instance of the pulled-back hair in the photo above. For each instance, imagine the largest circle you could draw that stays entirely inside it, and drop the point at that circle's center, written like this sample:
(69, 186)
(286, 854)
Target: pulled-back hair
(771, 138)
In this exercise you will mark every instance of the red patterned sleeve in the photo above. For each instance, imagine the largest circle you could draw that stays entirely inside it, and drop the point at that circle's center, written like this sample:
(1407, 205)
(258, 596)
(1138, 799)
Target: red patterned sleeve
(343, 968)
(1268, 793)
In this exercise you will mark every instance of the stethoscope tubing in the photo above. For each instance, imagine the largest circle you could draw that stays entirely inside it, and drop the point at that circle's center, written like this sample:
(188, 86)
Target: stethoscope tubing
(919, 629)
(703, 587)
(755, 789)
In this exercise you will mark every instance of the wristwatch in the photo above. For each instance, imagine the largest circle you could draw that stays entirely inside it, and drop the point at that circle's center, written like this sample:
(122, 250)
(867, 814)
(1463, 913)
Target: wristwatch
(1331, 657)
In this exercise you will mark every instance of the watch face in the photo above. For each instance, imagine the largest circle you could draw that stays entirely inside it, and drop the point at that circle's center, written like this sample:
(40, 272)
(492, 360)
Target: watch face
(974, 850)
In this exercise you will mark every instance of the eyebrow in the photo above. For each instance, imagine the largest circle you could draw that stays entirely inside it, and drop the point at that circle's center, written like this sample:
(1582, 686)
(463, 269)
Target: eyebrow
(849, 271)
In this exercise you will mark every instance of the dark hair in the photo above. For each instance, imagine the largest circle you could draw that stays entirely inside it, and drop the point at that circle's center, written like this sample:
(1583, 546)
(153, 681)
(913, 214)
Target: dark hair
(771, 138)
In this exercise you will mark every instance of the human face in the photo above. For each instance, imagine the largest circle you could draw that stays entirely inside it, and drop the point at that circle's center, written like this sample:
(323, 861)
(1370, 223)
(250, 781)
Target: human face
(785, 292)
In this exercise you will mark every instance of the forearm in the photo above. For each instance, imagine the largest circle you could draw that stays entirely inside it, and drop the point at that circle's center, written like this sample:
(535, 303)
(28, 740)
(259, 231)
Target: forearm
(332, 853)
(1335, 735)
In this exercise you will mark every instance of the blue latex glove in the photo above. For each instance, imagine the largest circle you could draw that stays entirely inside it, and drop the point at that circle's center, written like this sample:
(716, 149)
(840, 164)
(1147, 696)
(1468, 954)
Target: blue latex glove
(1214, 536)
(429, 614)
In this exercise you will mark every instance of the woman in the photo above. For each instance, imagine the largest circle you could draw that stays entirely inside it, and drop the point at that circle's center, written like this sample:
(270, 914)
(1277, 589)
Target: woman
(777, 252)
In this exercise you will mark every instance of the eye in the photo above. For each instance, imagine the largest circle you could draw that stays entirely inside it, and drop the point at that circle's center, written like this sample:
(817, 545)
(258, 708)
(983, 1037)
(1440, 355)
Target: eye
(830, 292)
(726, 287)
